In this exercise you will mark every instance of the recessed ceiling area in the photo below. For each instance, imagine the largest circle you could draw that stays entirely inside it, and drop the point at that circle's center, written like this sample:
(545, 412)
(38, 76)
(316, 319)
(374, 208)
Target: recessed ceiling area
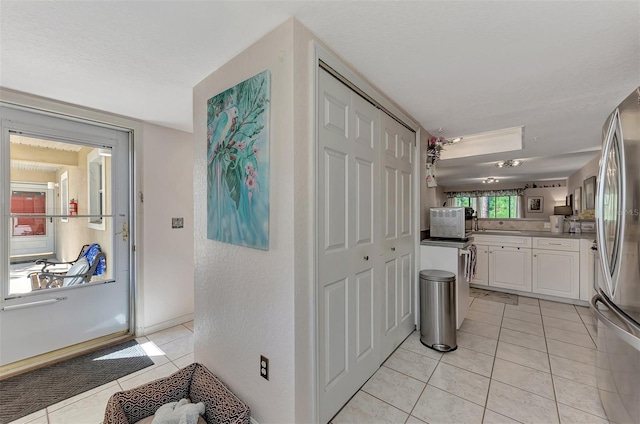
(557, 68)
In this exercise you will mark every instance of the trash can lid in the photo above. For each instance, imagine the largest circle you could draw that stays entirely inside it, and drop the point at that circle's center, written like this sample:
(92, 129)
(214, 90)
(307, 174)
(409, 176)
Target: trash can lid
(437, 275)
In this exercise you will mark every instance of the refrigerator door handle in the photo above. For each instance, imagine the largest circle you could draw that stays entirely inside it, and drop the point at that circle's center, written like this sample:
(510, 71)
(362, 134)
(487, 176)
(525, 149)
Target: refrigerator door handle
(631, 336)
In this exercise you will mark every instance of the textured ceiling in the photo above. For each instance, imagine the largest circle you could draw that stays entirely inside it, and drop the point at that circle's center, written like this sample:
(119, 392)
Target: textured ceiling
(558, 68)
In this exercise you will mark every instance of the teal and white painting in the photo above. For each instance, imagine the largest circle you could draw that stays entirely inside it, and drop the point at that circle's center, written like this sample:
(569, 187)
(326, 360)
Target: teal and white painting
(238, 164)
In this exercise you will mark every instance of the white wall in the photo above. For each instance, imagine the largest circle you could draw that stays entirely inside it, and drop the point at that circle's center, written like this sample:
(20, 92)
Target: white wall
(244, 298)
(166, 256)
(553, 196)
(576, 179)
(162, 313)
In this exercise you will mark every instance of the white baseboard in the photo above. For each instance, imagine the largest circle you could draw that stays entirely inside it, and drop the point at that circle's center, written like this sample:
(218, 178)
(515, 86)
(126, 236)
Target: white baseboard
(163, 325)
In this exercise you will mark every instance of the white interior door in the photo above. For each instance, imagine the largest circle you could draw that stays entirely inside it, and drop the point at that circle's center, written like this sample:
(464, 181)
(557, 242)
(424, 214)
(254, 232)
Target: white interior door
(36, 320)
(348, 285)
(397, 226)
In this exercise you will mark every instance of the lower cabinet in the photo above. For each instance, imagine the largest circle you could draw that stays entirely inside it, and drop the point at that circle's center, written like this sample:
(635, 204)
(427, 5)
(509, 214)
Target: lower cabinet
(510, 268)
(559, 267)
(556, 273)
(482, 266)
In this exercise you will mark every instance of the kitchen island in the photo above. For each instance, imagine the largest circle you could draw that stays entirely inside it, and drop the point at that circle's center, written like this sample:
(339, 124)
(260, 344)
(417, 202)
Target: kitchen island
(449, 255)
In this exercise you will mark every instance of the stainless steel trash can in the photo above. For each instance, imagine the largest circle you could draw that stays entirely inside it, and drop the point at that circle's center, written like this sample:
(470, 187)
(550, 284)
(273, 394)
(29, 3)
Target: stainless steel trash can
(438, 310)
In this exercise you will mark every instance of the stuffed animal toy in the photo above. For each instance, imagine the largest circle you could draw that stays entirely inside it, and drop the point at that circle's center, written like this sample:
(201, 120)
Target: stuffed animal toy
(182, 412)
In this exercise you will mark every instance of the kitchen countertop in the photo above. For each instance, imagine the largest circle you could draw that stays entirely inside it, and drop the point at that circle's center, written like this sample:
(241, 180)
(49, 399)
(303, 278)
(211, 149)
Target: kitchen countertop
(549, 234)
(456, 244)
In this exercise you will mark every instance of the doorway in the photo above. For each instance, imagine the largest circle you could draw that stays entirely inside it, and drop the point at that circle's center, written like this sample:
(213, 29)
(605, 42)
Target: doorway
(64, 246)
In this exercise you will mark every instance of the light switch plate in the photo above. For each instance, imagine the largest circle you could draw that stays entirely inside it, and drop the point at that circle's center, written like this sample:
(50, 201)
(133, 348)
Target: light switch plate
(177, 222)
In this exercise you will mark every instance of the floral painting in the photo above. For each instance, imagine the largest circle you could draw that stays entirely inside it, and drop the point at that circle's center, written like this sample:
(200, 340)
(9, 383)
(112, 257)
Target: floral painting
(238, 164)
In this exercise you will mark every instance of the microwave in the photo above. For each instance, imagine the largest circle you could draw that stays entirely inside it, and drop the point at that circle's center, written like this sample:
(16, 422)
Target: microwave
(450, 223)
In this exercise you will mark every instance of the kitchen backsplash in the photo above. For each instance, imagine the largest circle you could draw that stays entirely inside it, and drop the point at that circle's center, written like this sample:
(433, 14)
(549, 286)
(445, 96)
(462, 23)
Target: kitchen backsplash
(518, 225)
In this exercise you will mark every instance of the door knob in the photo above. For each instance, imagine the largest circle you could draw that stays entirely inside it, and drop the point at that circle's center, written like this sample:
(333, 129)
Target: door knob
(366, 258)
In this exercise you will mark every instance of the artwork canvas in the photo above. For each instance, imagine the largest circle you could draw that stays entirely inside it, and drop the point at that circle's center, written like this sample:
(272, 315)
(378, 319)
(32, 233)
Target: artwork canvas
(238, 164)
(535, 204)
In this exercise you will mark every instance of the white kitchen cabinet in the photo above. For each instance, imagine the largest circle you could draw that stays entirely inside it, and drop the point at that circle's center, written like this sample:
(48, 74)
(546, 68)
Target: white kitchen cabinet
(482, 266)
(510, 268)
(556, 273)
(589, 269)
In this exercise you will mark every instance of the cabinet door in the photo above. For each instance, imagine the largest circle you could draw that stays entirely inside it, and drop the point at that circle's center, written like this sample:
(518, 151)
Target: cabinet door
(556, 273)
(482, 266)
(510, 268)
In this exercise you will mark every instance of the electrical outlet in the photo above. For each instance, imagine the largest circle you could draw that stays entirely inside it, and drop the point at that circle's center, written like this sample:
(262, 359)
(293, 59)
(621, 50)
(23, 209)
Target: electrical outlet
(177, 222)
(547, 225)
(264, 367)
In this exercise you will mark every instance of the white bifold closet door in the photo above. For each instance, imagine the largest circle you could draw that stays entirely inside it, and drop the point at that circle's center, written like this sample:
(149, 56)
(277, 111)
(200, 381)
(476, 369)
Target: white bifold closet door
(397, 227)
(364, 260)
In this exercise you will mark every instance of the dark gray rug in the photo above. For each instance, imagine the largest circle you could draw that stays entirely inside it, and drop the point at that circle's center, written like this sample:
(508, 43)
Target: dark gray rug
(30, 392)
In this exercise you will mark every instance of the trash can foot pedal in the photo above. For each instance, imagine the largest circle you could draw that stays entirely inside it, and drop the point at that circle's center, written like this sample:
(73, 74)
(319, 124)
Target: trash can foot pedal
(440, 347)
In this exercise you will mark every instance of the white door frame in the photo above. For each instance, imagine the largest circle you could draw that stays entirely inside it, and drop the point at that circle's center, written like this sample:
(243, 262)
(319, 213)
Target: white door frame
(57, 131)
(322, 54)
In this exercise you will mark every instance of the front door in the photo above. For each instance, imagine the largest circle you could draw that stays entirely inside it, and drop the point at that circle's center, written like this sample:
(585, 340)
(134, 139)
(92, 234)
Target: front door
(86, 172)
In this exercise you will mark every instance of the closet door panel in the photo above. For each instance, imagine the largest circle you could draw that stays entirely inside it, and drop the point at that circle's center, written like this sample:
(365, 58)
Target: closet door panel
(397, 243)
(349, 292)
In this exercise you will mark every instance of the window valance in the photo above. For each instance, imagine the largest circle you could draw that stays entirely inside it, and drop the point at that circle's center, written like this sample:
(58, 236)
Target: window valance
(486, 193)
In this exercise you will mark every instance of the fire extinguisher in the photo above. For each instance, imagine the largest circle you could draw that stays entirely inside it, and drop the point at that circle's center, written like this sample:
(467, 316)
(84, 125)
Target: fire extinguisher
(73, 207)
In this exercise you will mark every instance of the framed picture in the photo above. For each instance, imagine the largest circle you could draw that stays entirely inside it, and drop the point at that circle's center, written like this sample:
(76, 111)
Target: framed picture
(577, 200)
(589, 188)
(535, 204)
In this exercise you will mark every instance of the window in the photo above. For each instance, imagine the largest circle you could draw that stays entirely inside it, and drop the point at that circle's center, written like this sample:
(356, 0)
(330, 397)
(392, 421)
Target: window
(64, 196)
(491, 206)
(462, 201)
(96, 186)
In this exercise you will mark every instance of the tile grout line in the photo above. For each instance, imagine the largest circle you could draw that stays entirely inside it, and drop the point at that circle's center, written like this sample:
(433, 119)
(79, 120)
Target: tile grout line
(493, 366)
(553, 385)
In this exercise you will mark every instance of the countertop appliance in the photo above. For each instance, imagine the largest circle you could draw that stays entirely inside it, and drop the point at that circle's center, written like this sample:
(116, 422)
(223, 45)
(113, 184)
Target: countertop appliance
(450, 223)
(617, 301)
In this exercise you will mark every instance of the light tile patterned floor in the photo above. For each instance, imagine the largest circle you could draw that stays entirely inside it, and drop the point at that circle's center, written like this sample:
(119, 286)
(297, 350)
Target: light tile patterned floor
(528, 363)
(170, 350)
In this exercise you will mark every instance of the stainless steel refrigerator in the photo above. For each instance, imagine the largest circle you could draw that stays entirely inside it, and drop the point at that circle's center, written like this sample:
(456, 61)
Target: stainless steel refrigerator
(617, 302)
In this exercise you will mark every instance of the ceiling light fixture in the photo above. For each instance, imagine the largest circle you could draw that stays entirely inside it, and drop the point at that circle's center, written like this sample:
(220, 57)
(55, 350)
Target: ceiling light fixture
(509, 163)
(490, 180)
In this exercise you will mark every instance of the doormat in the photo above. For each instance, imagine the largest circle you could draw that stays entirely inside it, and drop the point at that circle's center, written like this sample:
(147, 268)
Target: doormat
(27, 393)
(511, 299)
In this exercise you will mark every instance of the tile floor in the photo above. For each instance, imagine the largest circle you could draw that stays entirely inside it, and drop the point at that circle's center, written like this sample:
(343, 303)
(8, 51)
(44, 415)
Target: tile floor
(530, 363)
(170, 349)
